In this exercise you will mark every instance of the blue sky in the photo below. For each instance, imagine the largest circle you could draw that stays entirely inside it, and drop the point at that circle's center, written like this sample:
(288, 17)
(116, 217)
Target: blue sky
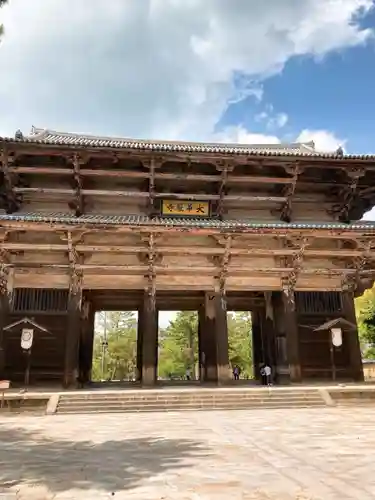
(239, 71)
(335, 93)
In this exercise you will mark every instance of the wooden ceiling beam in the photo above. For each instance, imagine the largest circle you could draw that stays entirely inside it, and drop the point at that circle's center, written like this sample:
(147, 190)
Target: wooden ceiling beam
(132, 174)
(189, 270)
(185, 250)
(143, 194)
(19, 149)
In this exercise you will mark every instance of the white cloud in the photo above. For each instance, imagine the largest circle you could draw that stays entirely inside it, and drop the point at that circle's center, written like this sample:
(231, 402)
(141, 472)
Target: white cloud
(271, 119)
(239, 135)
(324, 140)
(162, 68)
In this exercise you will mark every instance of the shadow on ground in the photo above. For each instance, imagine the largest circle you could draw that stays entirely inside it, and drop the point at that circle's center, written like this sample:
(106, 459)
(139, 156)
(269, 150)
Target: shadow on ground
(30, 458)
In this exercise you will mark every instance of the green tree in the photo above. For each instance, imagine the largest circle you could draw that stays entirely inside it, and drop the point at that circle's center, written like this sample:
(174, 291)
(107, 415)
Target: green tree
(365, 311)
(240, 342)
(119, 329)
(178, 346)
(2, 3)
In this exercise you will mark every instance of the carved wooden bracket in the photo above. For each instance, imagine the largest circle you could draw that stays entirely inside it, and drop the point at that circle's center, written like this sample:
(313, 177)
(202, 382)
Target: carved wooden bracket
(4, 272)
(152, 164)
(11, 198)
(286, 209)
(76, 275)
(78, 204)
(295, 261)
(349, 194)
(151, 263)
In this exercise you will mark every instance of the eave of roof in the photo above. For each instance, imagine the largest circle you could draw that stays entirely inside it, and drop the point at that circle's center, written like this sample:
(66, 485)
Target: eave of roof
(54, 138)
(178, 222)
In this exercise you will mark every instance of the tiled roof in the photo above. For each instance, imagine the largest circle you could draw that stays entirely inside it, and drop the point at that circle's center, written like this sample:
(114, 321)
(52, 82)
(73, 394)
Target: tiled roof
(51, 137)
(143, 220)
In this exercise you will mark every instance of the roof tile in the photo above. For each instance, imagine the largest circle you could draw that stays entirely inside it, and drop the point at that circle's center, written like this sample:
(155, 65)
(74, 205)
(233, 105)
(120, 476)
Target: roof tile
(144, 220)
(51, 137)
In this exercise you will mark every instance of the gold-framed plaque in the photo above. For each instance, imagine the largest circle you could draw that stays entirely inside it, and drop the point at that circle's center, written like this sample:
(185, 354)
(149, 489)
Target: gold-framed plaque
(185, 208)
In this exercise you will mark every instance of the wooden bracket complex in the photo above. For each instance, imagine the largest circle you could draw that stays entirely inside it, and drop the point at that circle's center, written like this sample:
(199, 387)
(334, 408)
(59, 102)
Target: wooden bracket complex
(224, 167)
(349, 194)
(76, 277)
(12, 204)
(152, 164)
(225, 261)
(289, 281)
(78, 204)
(286, 210)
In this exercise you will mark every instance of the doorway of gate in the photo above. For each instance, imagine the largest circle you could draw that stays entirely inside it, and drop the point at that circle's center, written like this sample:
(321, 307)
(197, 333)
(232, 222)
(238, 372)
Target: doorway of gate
(115, 347)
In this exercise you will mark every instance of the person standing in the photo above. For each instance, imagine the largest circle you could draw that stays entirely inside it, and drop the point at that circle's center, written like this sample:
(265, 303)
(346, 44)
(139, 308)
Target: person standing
(236, 373)
(267, 375)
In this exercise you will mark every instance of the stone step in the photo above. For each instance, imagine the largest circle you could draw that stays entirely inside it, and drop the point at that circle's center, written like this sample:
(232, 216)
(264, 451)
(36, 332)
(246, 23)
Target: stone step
(104, 405)
(209, 404)
(159, 408)
(195, 397)
(93, 402)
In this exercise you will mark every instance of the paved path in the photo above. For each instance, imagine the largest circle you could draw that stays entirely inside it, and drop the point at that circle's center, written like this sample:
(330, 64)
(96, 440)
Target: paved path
(317, 454)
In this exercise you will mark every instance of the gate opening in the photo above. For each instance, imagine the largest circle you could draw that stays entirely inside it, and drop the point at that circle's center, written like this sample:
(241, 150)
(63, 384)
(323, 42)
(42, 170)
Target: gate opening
(240, 339)
(178, 357)
(115, 346)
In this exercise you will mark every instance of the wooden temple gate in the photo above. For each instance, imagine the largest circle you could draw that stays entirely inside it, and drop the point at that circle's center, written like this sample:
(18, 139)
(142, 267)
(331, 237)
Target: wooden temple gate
(90, 224)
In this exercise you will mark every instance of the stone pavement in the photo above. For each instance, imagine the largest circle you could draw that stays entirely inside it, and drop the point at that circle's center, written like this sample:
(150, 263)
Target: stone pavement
(315, 454)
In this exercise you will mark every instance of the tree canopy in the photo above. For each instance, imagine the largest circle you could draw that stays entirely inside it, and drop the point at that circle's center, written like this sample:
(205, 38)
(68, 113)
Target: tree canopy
(2, 3)
(365, 310)
(178, 346)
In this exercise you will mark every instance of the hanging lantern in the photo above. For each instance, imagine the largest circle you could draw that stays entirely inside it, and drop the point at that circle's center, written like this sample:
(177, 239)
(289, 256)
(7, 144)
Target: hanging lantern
(336, 334)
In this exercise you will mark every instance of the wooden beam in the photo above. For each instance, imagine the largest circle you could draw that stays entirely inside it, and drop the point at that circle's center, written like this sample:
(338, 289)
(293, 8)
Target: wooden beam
(12, 205)
(19, 148)
(185, 250)
(195, 270)
(179, 176)
(143, 194)
(52, 226)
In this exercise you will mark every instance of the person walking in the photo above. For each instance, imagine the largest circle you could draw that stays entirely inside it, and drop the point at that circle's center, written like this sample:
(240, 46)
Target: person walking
(236, 373)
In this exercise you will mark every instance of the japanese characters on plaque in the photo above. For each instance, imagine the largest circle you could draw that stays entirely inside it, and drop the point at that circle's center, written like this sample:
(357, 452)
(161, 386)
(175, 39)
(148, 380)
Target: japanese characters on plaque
(186, 208)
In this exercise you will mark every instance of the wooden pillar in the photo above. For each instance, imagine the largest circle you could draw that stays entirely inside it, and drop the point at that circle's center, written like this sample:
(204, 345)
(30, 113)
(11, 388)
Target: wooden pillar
(292, 337)
(86, 345)
(257, 343)
(209, 339)
(201, 346)
(5, 296)
(215, 335)
(73, 333)
(139, 345)
(352, 337)
(149, 340)
(222, 345)
(3, 320)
